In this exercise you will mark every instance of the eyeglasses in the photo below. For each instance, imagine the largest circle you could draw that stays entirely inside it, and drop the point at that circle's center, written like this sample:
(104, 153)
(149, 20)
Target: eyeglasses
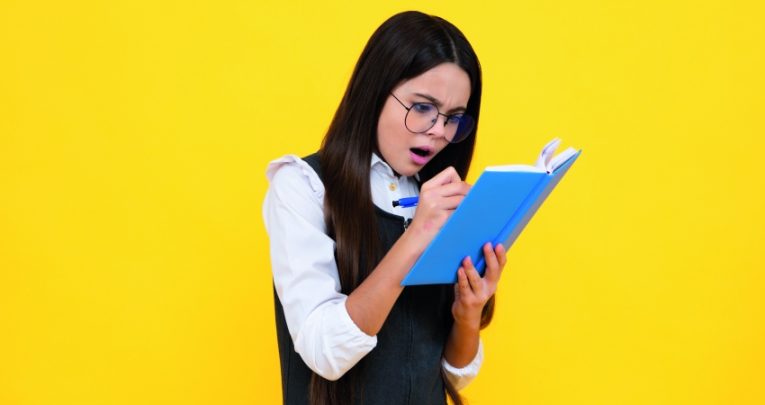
(421, 117)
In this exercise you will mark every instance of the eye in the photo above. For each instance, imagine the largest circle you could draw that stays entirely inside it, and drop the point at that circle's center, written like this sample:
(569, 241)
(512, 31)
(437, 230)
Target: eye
(423, 108)
(454, 119)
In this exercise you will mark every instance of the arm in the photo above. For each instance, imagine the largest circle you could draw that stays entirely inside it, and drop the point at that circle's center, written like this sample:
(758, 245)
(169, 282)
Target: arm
(371, 302)
(330, 334)
(305, 273)
(470, 295)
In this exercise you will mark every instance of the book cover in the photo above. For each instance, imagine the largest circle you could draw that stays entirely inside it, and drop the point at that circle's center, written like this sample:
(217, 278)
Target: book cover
(497, 209)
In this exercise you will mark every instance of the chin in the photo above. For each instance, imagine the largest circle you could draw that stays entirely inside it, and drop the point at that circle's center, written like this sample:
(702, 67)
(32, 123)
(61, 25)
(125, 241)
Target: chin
(408, 170)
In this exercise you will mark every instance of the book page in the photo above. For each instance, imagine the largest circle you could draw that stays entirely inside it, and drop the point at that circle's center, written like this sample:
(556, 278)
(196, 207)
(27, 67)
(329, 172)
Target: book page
(560, 159)
(546, 162)
(514, 168)
(543, 161)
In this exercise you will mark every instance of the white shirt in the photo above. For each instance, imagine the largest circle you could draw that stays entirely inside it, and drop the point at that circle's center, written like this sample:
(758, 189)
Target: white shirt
(305, 272)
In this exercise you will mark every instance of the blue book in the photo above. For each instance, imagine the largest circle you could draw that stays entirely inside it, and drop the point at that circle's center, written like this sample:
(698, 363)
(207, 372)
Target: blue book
(497, 209)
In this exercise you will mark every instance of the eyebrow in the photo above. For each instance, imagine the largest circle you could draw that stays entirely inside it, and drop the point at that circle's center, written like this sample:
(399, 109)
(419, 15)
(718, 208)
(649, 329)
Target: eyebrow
(439, 104)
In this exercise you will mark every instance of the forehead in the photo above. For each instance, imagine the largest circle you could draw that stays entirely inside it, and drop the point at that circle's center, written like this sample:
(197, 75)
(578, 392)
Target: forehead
(446, 82)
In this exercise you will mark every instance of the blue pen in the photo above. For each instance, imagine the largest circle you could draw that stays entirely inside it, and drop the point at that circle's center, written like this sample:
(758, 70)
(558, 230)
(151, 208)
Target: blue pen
(406, 202)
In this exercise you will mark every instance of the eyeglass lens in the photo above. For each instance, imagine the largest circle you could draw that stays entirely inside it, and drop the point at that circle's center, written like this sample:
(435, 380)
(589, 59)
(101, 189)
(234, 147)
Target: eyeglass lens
(423, 116)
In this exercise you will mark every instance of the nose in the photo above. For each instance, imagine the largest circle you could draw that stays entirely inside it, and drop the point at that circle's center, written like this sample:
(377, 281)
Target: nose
(439, 128)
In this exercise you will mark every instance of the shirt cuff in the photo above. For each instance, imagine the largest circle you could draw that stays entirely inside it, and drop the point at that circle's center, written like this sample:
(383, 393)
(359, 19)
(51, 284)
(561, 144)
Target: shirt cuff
(330, 343)
(461, 377)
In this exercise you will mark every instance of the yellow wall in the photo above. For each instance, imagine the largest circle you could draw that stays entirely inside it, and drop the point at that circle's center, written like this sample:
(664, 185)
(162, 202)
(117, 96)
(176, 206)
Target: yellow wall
(134, 136)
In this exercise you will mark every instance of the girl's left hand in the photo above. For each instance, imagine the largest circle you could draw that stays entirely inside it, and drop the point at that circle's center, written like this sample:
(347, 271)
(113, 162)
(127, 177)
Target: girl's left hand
(471, 292)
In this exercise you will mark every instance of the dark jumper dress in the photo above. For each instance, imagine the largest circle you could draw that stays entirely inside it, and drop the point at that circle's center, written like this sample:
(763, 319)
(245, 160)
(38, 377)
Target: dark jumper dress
(405, 366)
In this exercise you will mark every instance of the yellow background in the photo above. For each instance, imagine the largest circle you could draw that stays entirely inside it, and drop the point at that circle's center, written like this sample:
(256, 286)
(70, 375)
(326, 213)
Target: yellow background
(134, 137)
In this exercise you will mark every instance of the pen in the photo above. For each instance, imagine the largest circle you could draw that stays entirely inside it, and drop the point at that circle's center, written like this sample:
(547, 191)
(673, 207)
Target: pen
(406, 202)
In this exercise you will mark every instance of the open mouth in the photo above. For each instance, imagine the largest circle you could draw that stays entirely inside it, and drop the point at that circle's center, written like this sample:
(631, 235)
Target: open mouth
(420, 156)
(420, 152)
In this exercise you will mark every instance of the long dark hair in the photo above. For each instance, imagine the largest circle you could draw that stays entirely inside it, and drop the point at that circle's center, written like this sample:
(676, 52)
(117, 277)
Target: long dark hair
(403, 47)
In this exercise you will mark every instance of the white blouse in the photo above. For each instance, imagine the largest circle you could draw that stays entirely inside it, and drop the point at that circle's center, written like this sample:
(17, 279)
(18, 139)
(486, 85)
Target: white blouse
(305, 272)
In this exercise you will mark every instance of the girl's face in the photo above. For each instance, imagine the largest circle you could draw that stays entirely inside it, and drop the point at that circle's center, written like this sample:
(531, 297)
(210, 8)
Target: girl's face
(448, 87)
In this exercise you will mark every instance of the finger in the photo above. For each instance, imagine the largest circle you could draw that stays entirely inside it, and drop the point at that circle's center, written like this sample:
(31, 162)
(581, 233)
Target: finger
(448, 175)
(462, 281)
(492, 264)
(472, 275)
(452, 189)
(501, 255)
(450, 203)
(444, 197)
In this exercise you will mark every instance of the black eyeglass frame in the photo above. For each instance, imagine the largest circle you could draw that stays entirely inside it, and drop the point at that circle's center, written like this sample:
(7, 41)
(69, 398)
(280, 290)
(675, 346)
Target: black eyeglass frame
(438, 112)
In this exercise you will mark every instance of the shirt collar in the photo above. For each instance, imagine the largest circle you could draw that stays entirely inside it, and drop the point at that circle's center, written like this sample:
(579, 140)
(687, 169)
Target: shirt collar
(380, 164)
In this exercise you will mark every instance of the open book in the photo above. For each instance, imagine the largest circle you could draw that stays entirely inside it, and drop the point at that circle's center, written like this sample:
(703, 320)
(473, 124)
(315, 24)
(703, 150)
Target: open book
(497, 209)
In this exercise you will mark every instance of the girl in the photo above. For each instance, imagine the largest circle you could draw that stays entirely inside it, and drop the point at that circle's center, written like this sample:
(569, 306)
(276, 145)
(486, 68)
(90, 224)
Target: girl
(347, 331)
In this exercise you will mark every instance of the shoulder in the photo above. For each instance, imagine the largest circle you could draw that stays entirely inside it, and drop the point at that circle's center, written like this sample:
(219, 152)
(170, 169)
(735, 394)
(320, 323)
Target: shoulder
(291, 174)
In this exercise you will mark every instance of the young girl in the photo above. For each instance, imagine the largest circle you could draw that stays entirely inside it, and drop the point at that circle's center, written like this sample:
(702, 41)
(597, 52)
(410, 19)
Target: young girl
(347, 331)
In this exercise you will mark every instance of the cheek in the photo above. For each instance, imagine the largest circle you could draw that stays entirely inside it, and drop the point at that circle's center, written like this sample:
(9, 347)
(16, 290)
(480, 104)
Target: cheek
(442, 144)
(382, 134)
(388, 129)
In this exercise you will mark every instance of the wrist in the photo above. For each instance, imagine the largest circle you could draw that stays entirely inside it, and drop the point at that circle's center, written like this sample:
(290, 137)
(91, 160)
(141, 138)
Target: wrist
(468, 324)
(416, 240)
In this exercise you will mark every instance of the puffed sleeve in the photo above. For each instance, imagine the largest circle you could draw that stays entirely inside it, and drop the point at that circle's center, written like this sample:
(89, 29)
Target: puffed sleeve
(305, 272)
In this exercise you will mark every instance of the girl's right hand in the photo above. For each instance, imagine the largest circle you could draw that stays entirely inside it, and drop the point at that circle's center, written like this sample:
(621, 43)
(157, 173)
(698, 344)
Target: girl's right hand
(439, 197)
